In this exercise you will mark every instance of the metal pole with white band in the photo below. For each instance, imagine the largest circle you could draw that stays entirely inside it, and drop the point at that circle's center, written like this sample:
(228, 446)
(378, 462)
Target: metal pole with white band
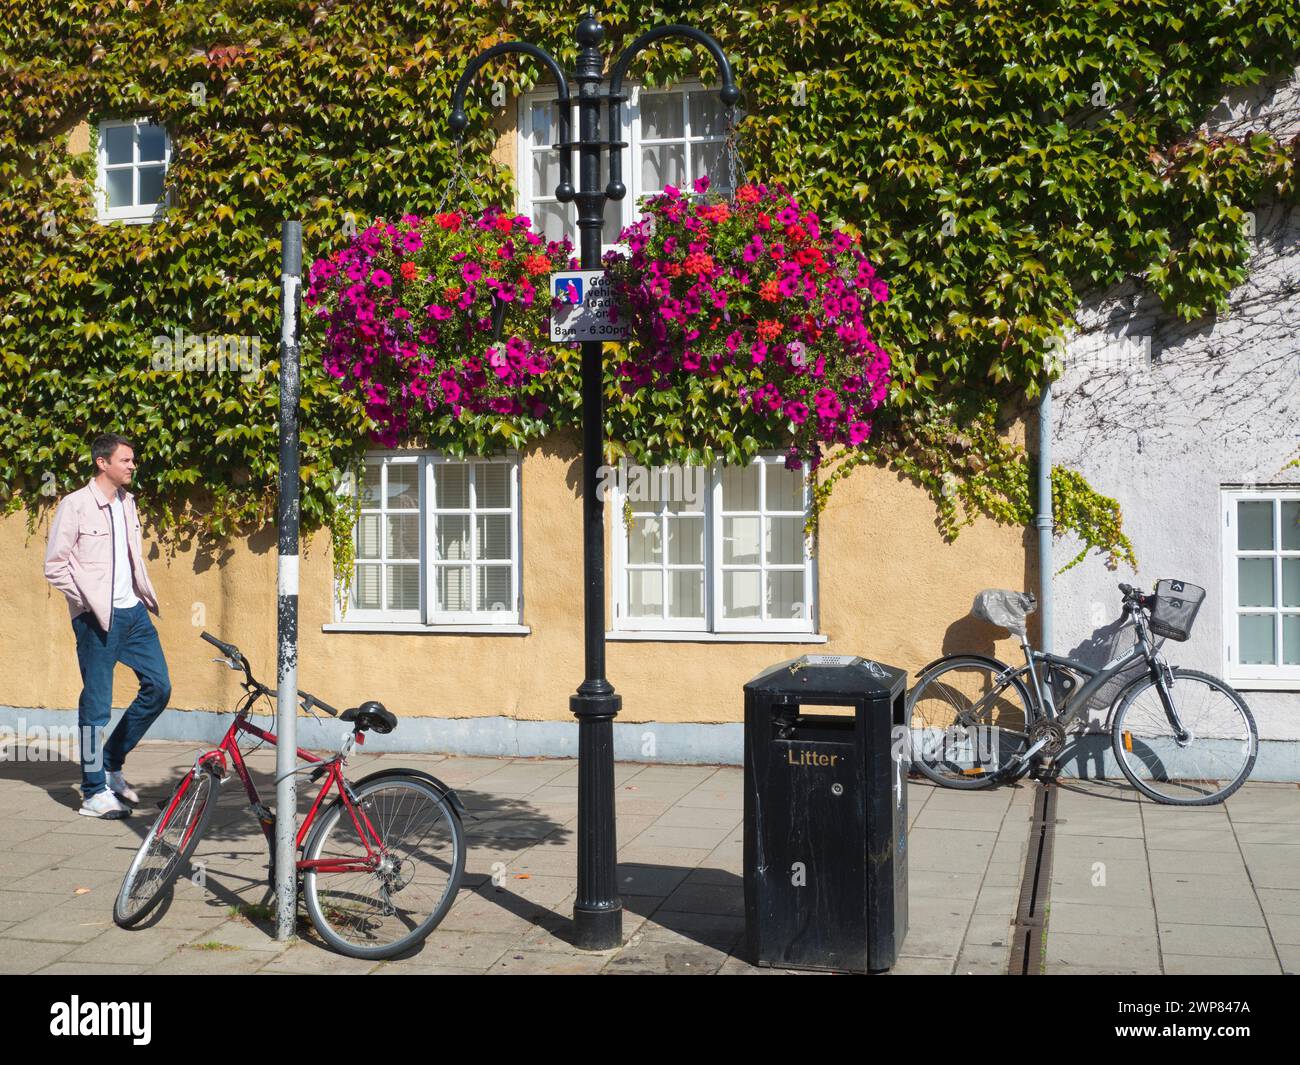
(286, 797)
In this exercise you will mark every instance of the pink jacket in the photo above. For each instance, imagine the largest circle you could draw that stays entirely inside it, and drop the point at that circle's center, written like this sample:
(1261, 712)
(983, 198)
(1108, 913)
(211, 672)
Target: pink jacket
(79, 555)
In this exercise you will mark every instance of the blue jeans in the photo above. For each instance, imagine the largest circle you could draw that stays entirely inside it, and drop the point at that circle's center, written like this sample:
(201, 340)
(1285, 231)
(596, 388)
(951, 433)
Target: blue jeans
(133, 640)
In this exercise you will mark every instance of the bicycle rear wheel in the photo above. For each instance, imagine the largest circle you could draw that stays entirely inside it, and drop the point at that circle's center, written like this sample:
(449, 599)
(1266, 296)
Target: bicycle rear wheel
(967, 722)
(421, 858)
(168, 846)
(1203, 767)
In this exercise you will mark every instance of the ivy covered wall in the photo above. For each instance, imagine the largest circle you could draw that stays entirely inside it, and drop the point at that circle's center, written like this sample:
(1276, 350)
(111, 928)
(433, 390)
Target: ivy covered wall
(1000, 159)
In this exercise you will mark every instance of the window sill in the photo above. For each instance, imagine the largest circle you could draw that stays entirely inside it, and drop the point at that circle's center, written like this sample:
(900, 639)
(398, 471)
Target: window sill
(430, 630)
(130, 220)
(1257, 684)
(664, 636)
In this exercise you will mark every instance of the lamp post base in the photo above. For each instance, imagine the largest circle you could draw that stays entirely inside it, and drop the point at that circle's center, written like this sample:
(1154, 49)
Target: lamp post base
(598, 929)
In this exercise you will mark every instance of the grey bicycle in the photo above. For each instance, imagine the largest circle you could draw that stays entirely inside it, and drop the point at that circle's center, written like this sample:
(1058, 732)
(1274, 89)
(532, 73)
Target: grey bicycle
(1180, 736)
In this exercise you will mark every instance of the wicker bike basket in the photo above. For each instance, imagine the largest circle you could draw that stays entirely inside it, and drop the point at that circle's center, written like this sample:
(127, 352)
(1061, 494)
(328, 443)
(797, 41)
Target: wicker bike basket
(1174, 608)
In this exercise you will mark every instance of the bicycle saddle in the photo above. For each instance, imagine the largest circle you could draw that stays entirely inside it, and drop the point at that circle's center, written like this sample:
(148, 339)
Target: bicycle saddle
(371, 715)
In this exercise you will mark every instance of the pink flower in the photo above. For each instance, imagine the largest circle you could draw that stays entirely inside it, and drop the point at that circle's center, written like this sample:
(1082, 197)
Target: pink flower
(859, 431)
(797, 412)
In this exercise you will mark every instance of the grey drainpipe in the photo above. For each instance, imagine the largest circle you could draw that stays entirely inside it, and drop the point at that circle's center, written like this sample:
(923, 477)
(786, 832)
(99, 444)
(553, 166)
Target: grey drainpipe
(1044, 517)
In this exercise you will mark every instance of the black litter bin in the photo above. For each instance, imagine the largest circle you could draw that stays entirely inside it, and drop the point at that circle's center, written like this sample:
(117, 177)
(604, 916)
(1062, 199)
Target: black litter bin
(826, 814)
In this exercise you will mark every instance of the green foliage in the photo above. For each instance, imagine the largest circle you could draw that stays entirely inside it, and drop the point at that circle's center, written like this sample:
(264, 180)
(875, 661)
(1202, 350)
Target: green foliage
(999, 159)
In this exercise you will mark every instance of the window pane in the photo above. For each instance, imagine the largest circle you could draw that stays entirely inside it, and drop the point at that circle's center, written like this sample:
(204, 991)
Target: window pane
(784, 487)
(740, 488)
(368, 536)
(661, 115)
(494, 588)
(494, 536)
(546, 172)
(1291, 582)
(1255, 526)
(784, 540)
(152, 143)
(404, 486)
(613, 220)
(1254, 582)
(117, 144)
(662, 164)
(740, 594)
(686, 540)
(644, 488)
(685, 488)
(403, 536)
(451, 485)
(645, 542)
(785, 595)
(451, 536)
(121, 191)
(492, 485)
(1257, 643)
(546, 129)
(709, 159)
(645, 595)
(365, 589)
(1291, 526)
(151, 183)
(453, 588)
(706, 115)
(370, 485)
(551, 220)
(403, 587)
(740, 541)
(1291, 639)
(686, 594)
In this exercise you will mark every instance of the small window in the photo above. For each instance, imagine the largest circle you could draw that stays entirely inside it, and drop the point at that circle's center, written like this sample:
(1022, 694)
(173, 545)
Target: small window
(133, 160)
(437, 541)
(1262, 585)
(716, 550)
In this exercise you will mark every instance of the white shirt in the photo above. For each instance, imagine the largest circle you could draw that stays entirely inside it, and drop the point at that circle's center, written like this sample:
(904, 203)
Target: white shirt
(124, 596)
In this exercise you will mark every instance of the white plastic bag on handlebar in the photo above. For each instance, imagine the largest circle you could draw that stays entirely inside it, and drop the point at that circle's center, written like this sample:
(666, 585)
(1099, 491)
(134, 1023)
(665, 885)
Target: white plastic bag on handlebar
(1005, 608)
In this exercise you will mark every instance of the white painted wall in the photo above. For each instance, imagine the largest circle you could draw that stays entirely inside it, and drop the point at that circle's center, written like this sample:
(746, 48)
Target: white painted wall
(1217, 404)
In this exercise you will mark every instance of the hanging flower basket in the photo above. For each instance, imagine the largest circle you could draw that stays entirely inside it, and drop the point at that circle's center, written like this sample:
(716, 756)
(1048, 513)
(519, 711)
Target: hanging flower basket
(445, 315)
(754, 292)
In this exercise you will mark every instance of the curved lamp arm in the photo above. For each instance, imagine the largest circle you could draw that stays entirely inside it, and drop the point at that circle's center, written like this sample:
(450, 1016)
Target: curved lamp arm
(616, 190)
(459, 120)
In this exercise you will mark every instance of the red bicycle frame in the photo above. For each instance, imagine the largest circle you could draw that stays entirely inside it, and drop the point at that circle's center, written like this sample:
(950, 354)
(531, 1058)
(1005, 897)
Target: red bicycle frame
(229, 749)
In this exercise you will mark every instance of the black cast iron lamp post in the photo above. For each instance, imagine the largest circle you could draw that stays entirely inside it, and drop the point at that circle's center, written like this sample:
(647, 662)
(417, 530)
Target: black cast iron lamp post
(598, 910)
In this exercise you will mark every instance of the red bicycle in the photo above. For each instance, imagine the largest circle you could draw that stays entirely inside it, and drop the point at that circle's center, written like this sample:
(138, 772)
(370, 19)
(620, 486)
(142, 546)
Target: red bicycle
(379, 867)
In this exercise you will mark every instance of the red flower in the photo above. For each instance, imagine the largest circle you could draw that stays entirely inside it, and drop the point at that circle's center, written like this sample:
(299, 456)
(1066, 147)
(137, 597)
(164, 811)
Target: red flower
(768, 291)
(503, 224)
(747, 194)
(768, 329)
(448, 220)
(408, 271)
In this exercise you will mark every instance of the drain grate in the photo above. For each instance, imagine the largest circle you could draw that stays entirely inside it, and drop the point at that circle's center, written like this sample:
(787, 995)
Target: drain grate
(1035, 887)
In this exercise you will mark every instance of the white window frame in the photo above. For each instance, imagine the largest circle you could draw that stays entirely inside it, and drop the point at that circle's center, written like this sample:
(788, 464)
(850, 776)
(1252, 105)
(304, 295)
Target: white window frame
(713, 624)
(1281, 677)
(135, 213)
(427, 616)
(631, 133)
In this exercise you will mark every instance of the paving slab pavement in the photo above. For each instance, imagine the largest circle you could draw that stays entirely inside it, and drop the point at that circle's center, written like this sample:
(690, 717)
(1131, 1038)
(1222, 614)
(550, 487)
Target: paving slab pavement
(1136, 887)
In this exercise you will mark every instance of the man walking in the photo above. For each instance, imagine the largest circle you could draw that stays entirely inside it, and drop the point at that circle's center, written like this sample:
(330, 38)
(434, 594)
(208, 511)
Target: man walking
(95, 557)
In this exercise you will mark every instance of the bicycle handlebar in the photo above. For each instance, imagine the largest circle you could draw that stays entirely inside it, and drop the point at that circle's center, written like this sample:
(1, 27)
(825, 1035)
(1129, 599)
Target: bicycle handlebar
(232, 652)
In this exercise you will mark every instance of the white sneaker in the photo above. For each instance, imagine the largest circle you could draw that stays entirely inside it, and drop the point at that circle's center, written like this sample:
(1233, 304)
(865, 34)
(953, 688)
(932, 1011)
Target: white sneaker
(118, 786)
(104, 804)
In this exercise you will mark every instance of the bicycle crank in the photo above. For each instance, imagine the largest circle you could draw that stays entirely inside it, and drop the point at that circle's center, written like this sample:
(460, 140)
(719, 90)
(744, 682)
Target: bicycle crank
(1047, 737)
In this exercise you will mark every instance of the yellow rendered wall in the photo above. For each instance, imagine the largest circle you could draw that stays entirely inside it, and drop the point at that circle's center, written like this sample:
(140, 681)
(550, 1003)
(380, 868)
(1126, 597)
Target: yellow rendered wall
(889, 587)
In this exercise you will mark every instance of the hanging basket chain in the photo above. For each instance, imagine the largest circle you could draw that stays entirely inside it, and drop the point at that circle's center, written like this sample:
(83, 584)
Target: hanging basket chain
(735, 166)
(458, 177)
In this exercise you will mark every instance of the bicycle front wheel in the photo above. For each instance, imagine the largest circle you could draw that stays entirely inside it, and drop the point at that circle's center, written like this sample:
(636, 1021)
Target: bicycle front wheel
(168, 846)
(968, 720)
(412, 843)
(1208, 762)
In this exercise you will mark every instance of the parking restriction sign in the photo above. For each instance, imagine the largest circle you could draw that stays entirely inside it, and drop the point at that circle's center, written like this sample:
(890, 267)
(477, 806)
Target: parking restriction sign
(588, 303)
